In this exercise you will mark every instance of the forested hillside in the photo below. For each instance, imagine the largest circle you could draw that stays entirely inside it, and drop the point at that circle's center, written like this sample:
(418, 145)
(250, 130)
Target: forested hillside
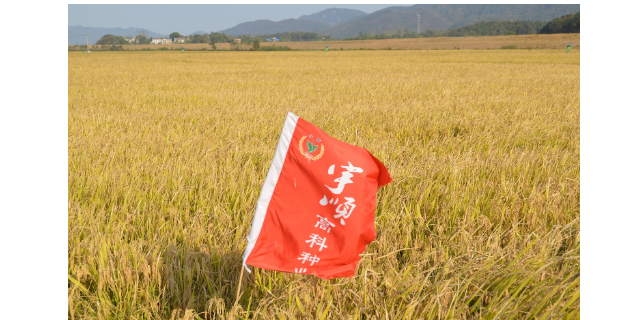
(344, 23)
(496, 28)
(334, 16)
(445, 16)
(565, 24)
(484, 28)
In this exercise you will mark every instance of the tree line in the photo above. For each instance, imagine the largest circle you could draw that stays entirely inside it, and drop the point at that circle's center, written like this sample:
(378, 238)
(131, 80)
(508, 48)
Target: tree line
(484, 28)
(565, 24)
(83, 47)
(215, 37)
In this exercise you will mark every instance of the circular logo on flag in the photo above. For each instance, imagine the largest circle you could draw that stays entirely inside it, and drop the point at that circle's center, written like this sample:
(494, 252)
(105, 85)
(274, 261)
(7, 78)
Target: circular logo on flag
(308, 149)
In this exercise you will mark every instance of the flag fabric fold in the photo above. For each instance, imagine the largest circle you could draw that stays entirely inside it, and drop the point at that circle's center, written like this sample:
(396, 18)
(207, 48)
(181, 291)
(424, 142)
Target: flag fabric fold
(316, 210)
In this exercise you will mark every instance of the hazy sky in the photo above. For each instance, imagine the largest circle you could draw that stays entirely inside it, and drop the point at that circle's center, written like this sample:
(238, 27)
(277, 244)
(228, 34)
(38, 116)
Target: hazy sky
(166, 18)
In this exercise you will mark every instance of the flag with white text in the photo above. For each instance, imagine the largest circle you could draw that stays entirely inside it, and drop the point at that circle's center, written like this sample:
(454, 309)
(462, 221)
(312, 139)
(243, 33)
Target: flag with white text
(315, 213)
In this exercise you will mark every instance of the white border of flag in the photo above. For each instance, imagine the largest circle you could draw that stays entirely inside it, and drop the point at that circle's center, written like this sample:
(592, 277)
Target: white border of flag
(270, 184)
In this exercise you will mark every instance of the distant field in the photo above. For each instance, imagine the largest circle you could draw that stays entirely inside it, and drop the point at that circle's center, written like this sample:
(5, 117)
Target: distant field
(167, 153)
(553, 41)
(539, 41)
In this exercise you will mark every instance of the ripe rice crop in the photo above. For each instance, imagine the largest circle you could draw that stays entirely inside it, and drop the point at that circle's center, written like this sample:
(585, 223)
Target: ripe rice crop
(168, 152)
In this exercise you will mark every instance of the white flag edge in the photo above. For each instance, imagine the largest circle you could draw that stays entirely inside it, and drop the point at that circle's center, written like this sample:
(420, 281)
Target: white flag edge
(270, 184)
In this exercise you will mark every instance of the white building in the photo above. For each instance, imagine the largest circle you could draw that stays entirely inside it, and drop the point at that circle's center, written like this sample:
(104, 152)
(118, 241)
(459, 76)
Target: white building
(160, 41)
(179, 40)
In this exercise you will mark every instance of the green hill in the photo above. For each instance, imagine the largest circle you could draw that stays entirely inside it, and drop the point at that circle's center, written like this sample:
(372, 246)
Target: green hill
(565, 24)
(484, 28)
(344, 23)
(496, 28)
(445, 16)
(110, 39)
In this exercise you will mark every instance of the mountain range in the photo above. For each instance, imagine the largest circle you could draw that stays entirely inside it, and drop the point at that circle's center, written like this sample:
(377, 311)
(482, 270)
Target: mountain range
(259, 27)
(444, 16)
(334, 16)
(343, 23)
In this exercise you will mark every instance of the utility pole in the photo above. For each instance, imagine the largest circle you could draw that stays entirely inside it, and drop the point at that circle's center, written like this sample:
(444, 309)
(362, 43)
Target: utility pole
(418, 23)
(87, 37)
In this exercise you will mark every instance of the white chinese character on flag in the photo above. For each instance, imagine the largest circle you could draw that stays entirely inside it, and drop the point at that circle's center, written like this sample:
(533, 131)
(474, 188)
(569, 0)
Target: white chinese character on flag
(317, 240)
(324, 224)
(307, 257)
(333, 201)
(345, 178)
(344, 210)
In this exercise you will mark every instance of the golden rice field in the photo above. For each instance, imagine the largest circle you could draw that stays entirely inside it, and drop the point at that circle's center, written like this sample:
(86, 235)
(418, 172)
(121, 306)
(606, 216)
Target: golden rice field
(168, 152)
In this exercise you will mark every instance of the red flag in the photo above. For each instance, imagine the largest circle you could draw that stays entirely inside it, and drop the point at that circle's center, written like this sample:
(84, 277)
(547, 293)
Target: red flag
(316, 210)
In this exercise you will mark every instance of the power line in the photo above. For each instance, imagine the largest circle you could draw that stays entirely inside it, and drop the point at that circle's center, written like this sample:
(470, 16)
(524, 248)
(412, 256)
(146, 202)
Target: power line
(86, 37)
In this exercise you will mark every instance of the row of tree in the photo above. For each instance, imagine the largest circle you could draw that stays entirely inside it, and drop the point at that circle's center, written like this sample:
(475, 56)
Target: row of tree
(296, 36)
(496, 28)
(215, 37)
(565, 24)
(83, 47)
(253, 46)
(283, 36)
(109, 39)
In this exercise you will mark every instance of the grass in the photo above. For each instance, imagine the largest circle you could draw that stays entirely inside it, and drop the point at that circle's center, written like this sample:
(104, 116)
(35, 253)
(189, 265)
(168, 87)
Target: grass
(168, 152)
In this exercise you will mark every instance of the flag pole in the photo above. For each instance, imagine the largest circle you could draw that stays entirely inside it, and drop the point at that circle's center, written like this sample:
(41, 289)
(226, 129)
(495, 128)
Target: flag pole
(235, 304)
